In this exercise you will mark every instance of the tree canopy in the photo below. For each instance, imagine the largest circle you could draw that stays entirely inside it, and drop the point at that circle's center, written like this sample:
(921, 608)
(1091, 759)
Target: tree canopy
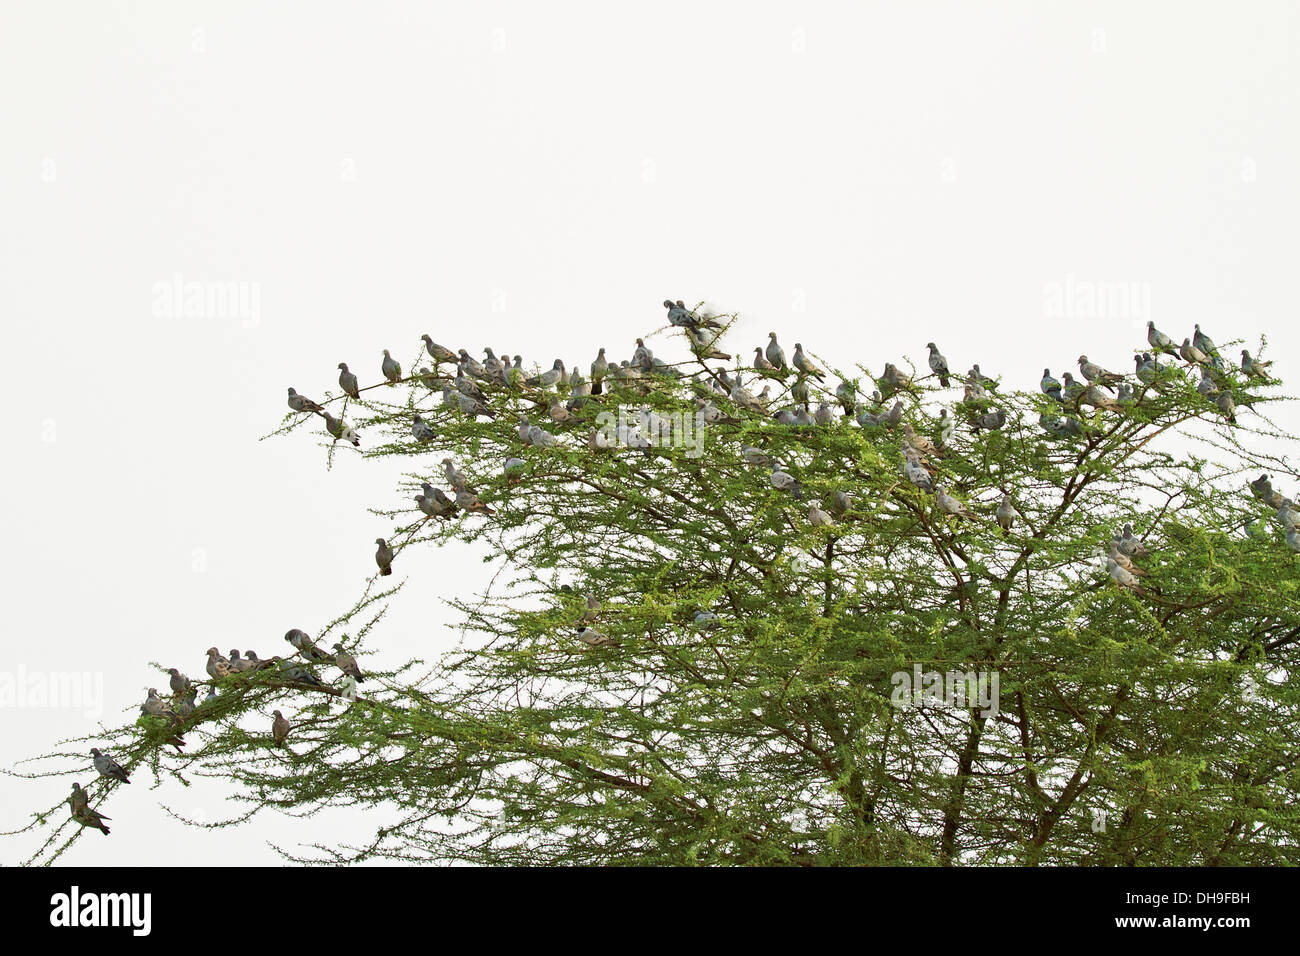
(712, 607)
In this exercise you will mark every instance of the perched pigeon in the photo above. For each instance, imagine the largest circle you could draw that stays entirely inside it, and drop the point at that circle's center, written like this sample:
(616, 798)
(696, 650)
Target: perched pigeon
(1203, 342)
(1006, 514)
(217, 666)
(1192, 354)
(303, 643)
(186, 706)
(438, 353)
(155, 706)
(1253, 367)
(179, 683)
(1158, 340)
(341, 430)
(384, 556)
(347, 663)
(775, 354)
(79, 801)
(1122, 576)
(550, 376)
(761, 364)
(593, 638)
(348, 381)
(455, 477)
(819, 518)
(421, 430)
(948, 504)
(301, 403)
(804, 364)
(392, 371)
(915, 473)
(240, 665)
(279, 729)
(1130, 545)
(466, 500)
(1096, 374)
(107, 766)
(938, 364)
(782, 480)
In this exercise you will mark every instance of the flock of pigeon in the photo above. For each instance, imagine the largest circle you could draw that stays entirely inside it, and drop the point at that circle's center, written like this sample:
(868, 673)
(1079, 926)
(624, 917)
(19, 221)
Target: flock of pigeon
(223, 671)
(468, 392)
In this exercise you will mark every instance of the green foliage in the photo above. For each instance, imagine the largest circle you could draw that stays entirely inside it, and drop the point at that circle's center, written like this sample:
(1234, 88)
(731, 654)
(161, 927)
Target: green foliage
(768, 735)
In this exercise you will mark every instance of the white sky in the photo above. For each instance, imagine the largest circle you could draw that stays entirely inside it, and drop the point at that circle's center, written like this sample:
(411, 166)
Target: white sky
(859, 177)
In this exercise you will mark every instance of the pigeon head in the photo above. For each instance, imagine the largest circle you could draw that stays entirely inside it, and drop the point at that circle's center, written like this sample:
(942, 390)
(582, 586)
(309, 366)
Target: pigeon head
(234, 654)
(213, 652)
(379, 541)
(94, 751)
(343, 365)
(668, 303)
(1083, 359)
(277, 713)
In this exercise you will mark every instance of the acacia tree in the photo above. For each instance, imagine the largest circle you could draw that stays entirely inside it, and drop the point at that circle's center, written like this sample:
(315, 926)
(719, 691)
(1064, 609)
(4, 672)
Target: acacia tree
(736, 697)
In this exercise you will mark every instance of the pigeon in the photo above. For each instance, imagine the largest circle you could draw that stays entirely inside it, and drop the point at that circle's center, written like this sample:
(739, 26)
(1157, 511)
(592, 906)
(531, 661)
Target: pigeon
(993, 420)
(1125, 394)
(341, 430)
(348, 381)
(217, 666)
(804, 364)
(1227, 406)
(948, 504)
(473, 405)
(107, 766)
(1122, 576)
(894, 380)
(466, 500)
(1145, 369)
(599, 369)
(303, 643)
(298, 674)
(1130, 545)
(470, 364)
(703, 618)
(392, 371)
(347, 663)
(847, 394)
(1192, 354)
(591, 610)
(1293, 539)
(384, 557)
(240, 665)
(1203, 342)
(79, 801)
(919, 443)
(438, 353)
(211, 695)
(775, 354)
(800, 391)
(428, 378)
(1253, 367)
(840, 503)
(186, 706)
(421, 430)
(1050, 386)
(761, 363)
(643, 357)
(154, 705)
(279, 729)
(823, 415)
(1070, 389)
(257, 663)
(1096, 374)
(1006, 514)
(593, 638)
(540, 437)
(455, 477)
(915, 472)
(782, 480)
(434, 508)
(301, 403)
(819, 518)
(558, 412)
(1124, 561)
(513, 466)
(975, 375)
(550, 376)
(1158, 340)
(801, 416)
(755, 456)
(1094, 396)
(179, 683)
(1262, 488)
(938, 364)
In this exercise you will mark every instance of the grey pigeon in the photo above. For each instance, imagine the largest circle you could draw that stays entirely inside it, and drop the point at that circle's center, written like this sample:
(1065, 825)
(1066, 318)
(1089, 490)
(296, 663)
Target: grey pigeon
(300, 640)
(240, 665)
(938, 364)
(468, 501)
(823, 415)
(1006, 514)
(1050, 386)
(915, 473)
(550, 376)
(782, 480)
(761, 363)
(643, 357)
(1253, 367)
(847, 394)
(1158, 340)
(341, 430)
(155, 706)
(513, 466)
(817, 517)
(804, 364)
(107, 766)
(179, 683)
(421, 430)
(473, 406)
(279, 729)
(79, 801)
(438, 353)
(301, 403)
(348, 381)
(384, 557)
(455, 477)
(1203, 342)
(1227, 406)
(471, 365)
(593, 638)
(775, 354)
(948, 504)
(755, 456)
(1096, 374)
(993, 420)
(347, 663)
(1122, 576)
(392, 371)
(186, 706)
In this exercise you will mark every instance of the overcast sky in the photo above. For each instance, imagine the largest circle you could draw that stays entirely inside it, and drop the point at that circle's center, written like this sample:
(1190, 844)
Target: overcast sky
(862, 177)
